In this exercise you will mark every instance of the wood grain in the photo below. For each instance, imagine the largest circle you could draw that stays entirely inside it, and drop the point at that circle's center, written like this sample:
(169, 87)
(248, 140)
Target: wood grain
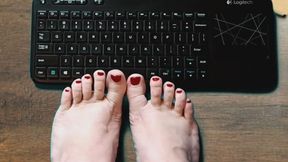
(234, 127)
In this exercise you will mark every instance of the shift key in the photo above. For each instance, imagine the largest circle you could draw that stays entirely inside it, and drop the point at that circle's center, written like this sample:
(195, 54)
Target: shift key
(47, 60)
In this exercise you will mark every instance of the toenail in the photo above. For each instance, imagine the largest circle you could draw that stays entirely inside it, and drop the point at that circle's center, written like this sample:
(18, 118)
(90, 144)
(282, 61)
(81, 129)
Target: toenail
(155, 79)
(169, 85)
(67, 90)
(189, 101)
(87, 77)
(179, 91)
(116, 78)
(78, 81)
(100, 73)
(135, 80)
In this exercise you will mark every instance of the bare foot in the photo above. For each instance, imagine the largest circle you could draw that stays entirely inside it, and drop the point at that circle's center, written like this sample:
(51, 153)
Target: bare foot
(87, 124)
(162, 131)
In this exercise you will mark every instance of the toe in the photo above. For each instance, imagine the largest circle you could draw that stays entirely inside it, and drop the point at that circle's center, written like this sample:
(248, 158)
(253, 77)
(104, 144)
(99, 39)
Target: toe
(77, 91)
(136, 91)
(168, 96)
(116, 84)
(99, 84)
(66, 99)
(188, 111)
(156, 90)
(180, 101)
(87, 87)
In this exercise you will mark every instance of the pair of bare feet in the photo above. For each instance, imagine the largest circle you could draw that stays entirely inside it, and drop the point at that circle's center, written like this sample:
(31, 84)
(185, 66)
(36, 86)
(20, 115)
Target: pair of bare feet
(87, 124)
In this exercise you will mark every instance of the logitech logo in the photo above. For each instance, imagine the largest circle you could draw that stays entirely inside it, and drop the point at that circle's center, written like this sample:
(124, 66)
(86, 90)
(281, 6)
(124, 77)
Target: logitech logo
(229, 2)
(239, 2)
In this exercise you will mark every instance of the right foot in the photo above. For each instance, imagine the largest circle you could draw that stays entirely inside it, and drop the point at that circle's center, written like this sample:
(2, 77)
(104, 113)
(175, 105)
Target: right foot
(162, 131)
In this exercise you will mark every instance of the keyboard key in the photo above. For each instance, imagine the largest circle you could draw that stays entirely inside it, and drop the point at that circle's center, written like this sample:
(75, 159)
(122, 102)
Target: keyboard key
(69, 37)
(64, 25)
(121, 50)
(72, 49)
(118, 37)
(155, 38)
(125, 26)
(113, 25)
(100, 25)
(152, 62)
(180, 38)
(103, 61)
(44, 48)
(77, 72)
(143, 15)
(98, 15)
(66, 61)
(171, 50)
(168, 38)
(43, 36)
(137, 25)
(189, 16)
(202, 75)
(190, 62)
(155, 15)
(57, 37)
(166, 15)
(158, 50)
(109, 15)
(106, 37)
(76, 15)
(165, 62)
(128, 61)
(65, 73)
(140, 62)
(151, 73)
(120, 15)
(183, 50)
(87, 15)
(178, 62)
(52, 25)
(115, 62)
(60, 48)
(76, 25)
(132, 15)
(81, 37)
(96, 49)
(190, 75)
(162, 26)
(150, 26)
(94, 37)
(40, 73)
(134, 50)
(78, 61)
(84, 49)
(42, 14)
(64, 14)
(143, 38)
(53, 14)
(52, 73)
(109, 49)
(88, 25)
(146, 50)
(165, 74)
(41, 24)
(178, 74)
(91, 61)
(131, 38)
(177, 15)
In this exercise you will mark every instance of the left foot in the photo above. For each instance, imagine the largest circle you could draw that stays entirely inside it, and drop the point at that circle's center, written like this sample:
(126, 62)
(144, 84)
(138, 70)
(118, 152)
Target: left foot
(87, 124)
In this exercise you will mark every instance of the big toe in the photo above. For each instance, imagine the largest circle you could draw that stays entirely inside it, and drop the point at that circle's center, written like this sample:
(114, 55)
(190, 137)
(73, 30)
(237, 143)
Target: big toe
(116, 84)
(136, 92)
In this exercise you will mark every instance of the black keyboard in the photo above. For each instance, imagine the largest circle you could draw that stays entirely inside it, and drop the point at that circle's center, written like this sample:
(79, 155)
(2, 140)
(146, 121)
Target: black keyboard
(71, 38)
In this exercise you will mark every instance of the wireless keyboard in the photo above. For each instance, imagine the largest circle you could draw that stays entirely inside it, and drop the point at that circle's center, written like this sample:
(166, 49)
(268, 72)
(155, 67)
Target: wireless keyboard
(201, 46)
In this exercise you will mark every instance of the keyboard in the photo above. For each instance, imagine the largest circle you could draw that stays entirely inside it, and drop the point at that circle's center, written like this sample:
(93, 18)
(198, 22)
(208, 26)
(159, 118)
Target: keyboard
(71, 38)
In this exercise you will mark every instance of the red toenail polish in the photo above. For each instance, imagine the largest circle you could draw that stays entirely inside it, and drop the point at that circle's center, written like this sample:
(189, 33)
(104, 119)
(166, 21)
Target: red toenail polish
(155, 79)
(179, 91)
(100, 73)
(67, 90)
(135, 80)
(78, 81)
(116, 78)
(189, 101)
(87, 77)
(169, 85)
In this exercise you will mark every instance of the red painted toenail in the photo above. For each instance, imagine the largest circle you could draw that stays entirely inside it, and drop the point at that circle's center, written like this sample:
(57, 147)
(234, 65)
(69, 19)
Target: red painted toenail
(116, 78)
(87, 77)
(67, 90)
(189, 101)
(78, 81)
(169, 85)
(155, 79)
(135, 80)
(100, 73)
(179, 91)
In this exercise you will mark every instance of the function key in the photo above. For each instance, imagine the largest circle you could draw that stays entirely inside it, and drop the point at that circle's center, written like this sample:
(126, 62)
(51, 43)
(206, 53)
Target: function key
(143, 15)
(87, 14)
(132, 15)
(109, 15)
(64, 15)
(155, 15)
(98, 15)
(189, 15)
(177, 15)
(42, 14)
(80, 2)
(53, 14)
(99, 2)
(120, 15)
(76, 14)
(166, 15)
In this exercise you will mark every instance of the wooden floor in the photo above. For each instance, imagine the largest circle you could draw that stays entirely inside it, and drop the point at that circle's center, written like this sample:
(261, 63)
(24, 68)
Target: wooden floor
(234, 127)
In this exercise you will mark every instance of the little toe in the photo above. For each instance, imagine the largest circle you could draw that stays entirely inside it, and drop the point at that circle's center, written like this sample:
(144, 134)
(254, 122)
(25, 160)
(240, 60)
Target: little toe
(180, 101)
(168, 96)
(136, 89)
(87, 86)
(156, 90)
(116, 84)
(66, 99)
(99, 84)
(77, 91)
